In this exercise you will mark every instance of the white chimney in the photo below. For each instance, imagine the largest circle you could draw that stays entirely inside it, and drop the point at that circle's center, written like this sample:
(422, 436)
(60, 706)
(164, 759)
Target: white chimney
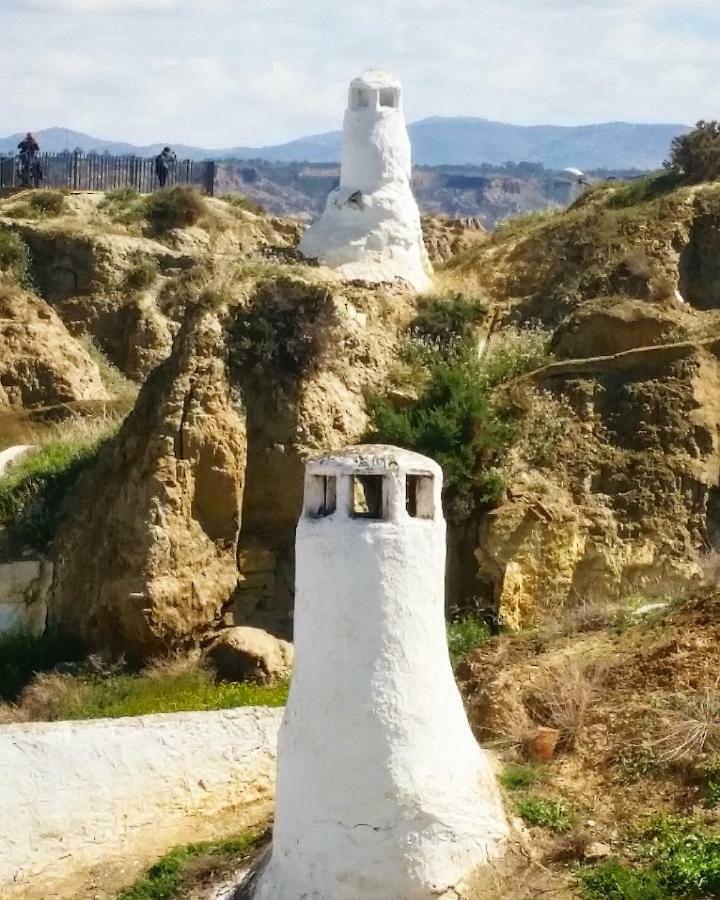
(383, 792)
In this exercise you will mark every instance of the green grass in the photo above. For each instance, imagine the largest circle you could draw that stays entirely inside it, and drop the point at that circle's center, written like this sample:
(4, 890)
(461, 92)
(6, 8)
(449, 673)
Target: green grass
(175, 207)
(32, 492)
(464, 636)
(124, 206)
(23, 655)
(521, 776)
(138, 695)
(173, 875)
(541, 813)
(673, 858)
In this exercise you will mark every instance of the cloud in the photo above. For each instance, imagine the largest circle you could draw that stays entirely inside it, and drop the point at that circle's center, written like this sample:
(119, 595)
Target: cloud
(221, 73)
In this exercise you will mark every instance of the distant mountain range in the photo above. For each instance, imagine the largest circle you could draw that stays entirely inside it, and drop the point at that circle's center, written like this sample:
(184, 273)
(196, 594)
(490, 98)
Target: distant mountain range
(436, 141)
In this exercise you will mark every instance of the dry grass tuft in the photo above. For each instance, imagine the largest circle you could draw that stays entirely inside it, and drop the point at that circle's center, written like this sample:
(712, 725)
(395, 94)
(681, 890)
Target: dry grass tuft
(566, 696)
(49, 692)
(174, 666)
(694, 727)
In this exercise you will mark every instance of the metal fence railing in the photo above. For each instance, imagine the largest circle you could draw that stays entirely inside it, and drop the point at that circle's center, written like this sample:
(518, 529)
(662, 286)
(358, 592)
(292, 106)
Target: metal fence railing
(95, 172)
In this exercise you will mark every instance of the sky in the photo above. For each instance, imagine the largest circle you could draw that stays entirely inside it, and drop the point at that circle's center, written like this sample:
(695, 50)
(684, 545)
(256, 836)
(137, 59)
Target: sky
(225, 73)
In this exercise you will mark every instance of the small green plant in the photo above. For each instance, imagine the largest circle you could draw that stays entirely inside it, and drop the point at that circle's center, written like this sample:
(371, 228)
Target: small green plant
(521, 776)
(711, 773)
(637, 764)
(179, 871)
(176, 207)
(116, 383)
(464, 636)
(14, 254)
(47, 203)
(672, 857)
(613, 880)
(541, 813)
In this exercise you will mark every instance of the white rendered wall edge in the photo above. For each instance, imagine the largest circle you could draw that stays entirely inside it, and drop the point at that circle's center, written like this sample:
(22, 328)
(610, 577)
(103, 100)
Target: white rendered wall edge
(76, 795)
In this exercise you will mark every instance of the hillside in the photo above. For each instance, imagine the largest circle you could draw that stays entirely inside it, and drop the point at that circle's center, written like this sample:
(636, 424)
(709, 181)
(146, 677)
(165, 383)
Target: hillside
(436, 141)
(175, 362)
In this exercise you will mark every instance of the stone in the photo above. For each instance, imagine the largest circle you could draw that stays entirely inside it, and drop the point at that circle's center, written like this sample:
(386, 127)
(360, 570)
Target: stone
(250, 654)
(370, 229)
(24, 587)
(597, 850)
(12, 455)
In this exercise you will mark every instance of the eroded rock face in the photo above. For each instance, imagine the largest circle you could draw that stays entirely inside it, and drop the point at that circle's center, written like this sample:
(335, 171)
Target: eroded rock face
(40, 363)
(146, 557)
(621, 499)
(617, 325)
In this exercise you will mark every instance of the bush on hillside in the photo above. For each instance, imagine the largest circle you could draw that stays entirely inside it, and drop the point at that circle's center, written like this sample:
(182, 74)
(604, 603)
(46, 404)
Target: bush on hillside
(457, 420)
(283, 333)
(176, 207)
(14, 254)
(697, 155)
(240, 201)
(47, 202)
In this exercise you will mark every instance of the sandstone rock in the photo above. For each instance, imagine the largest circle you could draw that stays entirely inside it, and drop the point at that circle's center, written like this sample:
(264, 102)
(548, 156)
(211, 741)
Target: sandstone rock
(250, 654)
(613, 327)
(597, 850)
(40, 363)
(24, 586)
(146, 557)
(12, 456)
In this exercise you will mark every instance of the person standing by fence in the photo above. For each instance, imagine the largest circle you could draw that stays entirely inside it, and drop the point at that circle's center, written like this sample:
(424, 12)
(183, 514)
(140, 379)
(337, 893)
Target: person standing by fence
(163, 162)
(29, 161)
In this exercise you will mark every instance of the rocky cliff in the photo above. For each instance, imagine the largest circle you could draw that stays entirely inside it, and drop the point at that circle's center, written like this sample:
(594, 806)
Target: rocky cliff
(599, 467)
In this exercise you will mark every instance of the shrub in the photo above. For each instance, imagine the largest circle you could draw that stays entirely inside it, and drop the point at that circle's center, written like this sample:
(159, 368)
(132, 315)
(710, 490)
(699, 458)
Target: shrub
(124, 206)
(14, 254)
(456, 419)
(32, 492)
(283, 332)
(446, 323)
(46, 202)
(195, 865)
(240, 201)
(175, 207)
(711, 773)
(542, 813)
(521, 777)
(142, 274)
(696, 155)
(464, 636)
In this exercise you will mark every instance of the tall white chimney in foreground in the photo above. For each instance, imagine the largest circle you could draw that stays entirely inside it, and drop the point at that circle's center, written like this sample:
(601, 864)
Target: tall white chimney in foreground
(370, 229)
(383, 792)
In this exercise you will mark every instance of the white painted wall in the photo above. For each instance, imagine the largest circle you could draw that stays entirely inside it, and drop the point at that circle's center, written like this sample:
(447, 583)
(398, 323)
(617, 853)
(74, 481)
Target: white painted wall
(77, 794)
(378, 237)
(24, 588)
(382, 791)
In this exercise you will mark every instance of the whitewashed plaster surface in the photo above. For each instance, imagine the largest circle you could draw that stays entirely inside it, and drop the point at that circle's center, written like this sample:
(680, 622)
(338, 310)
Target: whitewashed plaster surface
(383, 792)
(24, 587)
(370, 229)
(76, 794)
(11, 455)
